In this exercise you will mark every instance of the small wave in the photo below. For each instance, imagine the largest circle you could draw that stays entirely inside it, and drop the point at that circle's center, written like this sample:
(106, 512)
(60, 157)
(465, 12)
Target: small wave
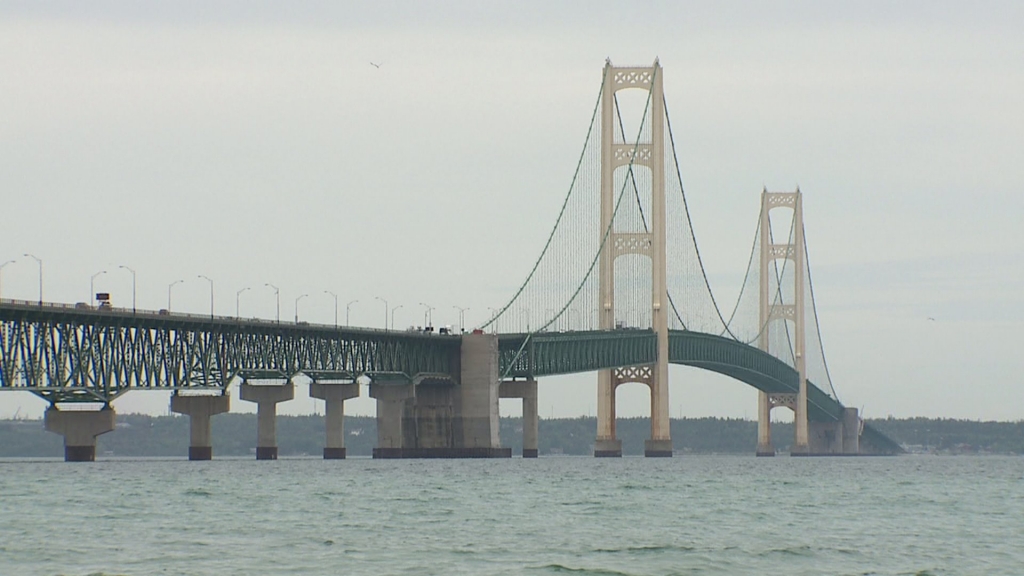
(791, 551)
(636, 487)
(645, 549)
(559, 568)
(195, 492)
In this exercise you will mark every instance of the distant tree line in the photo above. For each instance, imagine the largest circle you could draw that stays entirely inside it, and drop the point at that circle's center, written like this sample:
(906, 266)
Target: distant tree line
(235, 435)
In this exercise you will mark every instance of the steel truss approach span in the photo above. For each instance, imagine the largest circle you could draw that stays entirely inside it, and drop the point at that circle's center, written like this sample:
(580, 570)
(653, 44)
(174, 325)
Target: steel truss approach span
(67, 354)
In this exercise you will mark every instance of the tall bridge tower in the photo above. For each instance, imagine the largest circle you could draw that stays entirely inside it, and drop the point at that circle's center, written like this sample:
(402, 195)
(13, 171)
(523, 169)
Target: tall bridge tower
(773, 308)
(650, 242)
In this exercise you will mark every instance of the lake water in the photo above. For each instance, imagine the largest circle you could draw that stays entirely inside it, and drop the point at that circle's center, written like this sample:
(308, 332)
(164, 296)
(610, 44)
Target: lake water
(565, 515)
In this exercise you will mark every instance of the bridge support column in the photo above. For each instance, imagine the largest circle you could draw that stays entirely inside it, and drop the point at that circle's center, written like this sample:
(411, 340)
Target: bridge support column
(527, 390)
(825, 439)
(394, 411)
(266, 398)
(435, 408)
(476, 416)
(764, 425)
(660, 443)
(851, 431)
(334, 396)
(606, 445)
(199, 410)
(79, 429)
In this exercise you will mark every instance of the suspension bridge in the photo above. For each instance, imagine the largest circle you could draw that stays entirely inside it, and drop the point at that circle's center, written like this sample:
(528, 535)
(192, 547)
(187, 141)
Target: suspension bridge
(619, 289)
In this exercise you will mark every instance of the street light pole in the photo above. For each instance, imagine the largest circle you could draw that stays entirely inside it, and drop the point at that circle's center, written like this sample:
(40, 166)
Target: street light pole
(169, 286)
(427, 319)
(92, 291)
(462, 317)
(393, 316)
(277, 294)
(346, 310)
(211, 292)
(40, 262)
(297, 307)
(238, 296)
(133, 285)
(1, 273)
(385, 310)
(494, 319)
(335, 306)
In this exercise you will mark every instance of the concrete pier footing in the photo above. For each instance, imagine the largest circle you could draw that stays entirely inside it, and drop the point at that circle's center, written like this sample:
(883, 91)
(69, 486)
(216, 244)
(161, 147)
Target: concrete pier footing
(200, 409)
(658, 448)
(608, 448)
(266, 398)
(79, 429)
(527, 390)
(334, 396)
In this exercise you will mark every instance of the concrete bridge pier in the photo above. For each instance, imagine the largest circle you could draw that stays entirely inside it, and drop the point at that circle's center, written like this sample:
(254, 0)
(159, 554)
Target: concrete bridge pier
(839, 438)
(527, 390)
(79, 429)
(199, 410)
(266, 398)
(395, 418)
(476, 415)
(334, 396)
(606, 445)
(764, 425)
(851, 431)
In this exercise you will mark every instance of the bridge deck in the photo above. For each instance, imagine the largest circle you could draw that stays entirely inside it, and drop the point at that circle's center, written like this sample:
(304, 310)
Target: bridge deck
(71, 352)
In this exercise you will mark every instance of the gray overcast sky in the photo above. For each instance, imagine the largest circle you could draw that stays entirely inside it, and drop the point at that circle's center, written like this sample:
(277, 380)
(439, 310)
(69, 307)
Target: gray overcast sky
(253, 142)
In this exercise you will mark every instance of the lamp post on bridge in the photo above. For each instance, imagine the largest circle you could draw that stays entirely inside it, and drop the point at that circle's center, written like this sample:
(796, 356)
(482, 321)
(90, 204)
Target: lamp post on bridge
(393, 315)
(335, 306)
(428, 319)
(238, 296)
(169, 286)
(207, 278)
(462, 317)
(277, 295)
(40, 263)
(92, 290)
(494, 319)
(346, 310)
(297, 307)
(385, 310)
(1, 274)
(132, 270)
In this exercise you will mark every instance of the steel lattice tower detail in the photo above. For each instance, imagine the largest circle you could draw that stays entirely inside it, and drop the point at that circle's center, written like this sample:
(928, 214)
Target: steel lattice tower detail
(775, 309)
(651, 243)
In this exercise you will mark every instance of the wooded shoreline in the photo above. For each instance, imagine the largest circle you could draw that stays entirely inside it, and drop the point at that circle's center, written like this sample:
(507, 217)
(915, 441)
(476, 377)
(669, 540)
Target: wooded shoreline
(234, 434)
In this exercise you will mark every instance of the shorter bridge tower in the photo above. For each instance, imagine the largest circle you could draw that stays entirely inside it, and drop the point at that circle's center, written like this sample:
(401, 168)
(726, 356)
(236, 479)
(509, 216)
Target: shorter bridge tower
(774, 309)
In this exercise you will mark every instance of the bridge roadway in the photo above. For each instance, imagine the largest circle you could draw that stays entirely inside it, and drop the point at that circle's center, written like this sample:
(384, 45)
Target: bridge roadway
(69, 353)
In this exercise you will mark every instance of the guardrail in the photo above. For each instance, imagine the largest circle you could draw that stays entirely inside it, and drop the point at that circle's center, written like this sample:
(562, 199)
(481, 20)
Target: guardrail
(166, 314)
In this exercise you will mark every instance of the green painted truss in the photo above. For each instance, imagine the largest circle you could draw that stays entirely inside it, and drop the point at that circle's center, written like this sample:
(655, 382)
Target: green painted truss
(67, 354)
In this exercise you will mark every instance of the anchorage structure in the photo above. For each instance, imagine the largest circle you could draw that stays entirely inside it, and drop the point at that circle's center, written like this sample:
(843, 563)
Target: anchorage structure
(651, 242)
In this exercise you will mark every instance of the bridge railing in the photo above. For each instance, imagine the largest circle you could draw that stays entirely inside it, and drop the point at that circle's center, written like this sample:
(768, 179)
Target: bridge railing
(166, 314)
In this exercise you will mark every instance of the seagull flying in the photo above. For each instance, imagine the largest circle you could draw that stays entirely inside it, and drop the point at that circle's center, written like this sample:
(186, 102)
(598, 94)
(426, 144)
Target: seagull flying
(375, 65)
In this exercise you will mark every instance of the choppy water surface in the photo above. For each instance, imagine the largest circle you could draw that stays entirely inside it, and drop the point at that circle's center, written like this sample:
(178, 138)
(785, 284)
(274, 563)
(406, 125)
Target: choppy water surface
(713, 515)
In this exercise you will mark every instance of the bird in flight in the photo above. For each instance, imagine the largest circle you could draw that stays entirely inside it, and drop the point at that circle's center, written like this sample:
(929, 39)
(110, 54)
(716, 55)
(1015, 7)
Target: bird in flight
(932, 319)
(375, 65)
